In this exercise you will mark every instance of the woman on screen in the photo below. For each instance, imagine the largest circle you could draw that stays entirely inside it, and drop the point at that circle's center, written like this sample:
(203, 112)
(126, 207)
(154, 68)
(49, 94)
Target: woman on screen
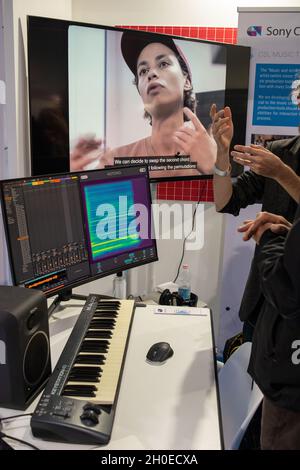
(164, 82)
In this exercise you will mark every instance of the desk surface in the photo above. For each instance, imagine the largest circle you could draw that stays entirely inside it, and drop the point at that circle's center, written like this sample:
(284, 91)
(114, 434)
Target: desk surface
(169, 406)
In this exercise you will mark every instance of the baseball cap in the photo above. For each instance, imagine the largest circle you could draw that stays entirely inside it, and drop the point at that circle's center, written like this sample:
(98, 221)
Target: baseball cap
(132, 44)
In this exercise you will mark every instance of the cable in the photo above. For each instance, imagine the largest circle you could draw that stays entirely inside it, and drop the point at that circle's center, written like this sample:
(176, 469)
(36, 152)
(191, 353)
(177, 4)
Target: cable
(184, 242)
(7, 418)
(18, 440)
(186, 237)
(16, 416)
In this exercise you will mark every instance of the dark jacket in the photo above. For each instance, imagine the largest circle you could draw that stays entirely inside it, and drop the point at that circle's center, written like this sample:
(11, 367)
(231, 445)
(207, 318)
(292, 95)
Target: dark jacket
(250, 188)
(275, 357)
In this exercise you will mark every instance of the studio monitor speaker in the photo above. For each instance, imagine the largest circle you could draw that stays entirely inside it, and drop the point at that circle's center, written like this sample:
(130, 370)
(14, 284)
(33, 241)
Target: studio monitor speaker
(25, 363)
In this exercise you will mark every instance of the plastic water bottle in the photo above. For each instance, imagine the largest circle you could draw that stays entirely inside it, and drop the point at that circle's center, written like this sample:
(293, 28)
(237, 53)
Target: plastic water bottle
(184, 283)
(119, 284)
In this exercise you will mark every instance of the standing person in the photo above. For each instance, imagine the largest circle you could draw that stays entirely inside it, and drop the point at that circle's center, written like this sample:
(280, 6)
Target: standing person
(164, 82)
(275, 355)
(272, 180)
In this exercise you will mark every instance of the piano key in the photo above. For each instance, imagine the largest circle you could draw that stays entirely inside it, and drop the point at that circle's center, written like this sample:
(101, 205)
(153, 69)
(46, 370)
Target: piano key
(80, 387)
(94, 348)
(96, 333)
(80, 390)
(76, 372)
(85, 379)
(90, 359)
(101, 341)
(73, 376)
(103, 320)
(107, 307)
(110, 322)
(83, 371)
(102, 324)
(84, 368)
(96, 342)
(105, 314)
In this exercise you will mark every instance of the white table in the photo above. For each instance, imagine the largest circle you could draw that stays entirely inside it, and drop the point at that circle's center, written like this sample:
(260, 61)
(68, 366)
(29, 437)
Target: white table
(169, 406)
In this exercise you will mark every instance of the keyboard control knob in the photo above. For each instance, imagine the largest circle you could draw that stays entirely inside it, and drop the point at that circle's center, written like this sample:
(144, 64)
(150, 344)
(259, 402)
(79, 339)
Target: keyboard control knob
(92, 407)
(89, 418)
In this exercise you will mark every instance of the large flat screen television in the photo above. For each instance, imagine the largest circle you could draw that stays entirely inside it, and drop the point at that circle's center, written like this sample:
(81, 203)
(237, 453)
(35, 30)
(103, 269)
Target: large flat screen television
(103, 96)
(68, 229)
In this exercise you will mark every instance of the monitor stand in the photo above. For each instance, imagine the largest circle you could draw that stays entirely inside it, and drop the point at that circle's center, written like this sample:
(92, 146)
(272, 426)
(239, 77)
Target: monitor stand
(64, 297)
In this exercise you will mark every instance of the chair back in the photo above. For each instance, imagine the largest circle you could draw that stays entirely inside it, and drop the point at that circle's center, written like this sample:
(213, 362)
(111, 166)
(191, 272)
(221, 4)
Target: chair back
(239, 396)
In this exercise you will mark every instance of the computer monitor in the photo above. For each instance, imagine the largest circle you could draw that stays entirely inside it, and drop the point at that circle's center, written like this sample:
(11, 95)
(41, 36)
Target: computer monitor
(100, 96)
(69, 229)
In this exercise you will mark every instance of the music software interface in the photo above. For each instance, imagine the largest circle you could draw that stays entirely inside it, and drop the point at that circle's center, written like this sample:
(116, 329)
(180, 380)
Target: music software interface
(68, 229)
(117, 212)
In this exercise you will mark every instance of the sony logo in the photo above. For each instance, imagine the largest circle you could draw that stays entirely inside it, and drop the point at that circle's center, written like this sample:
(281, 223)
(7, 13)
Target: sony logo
(283, 32)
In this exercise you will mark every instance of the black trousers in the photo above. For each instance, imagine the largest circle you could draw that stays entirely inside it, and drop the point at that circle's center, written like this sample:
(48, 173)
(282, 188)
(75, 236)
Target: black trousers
(280, 428)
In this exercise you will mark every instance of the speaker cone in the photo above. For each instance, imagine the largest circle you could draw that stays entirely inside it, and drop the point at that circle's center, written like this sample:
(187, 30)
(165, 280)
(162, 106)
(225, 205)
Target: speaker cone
(36, 358)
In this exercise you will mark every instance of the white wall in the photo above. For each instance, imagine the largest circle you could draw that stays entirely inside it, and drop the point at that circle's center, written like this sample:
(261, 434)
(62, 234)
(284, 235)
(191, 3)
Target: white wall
(15, 37)
(168, 12)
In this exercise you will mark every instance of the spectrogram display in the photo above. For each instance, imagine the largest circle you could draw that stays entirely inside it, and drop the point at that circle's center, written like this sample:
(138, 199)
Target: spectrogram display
(111, 218)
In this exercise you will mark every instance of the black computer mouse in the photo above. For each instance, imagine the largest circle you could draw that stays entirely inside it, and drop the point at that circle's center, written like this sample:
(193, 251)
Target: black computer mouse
(159, 352)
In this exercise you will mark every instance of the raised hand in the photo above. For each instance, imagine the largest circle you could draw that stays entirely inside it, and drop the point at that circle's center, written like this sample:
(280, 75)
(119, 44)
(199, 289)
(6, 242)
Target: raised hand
(264, 221)
(222, 127)
(258, 159)
(87, 150)
(197, 143)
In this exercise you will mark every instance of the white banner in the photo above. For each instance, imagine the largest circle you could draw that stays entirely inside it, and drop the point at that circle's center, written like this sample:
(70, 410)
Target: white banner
(274, 86)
